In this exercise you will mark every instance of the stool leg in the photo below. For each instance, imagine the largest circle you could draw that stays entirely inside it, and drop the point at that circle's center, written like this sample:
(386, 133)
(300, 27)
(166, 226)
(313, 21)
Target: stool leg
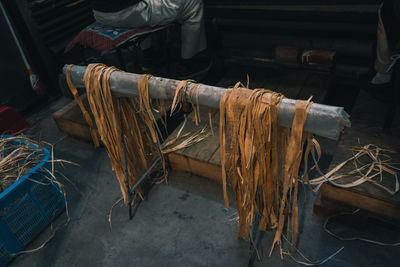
(132, 56)
(121, 59)
(389, 117)
(163, 41)
(138, 55)
(395, 100)
(164, 35)
(82, 50)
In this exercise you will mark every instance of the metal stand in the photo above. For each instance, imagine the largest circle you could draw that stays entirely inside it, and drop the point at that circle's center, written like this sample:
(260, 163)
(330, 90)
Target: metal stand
(139, 182)
(256, 237)
(129, 190)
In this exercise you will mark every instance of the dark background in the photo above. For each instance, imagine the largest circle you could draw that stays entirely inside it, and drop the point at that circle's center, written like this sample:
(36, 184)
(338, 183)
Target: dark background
(235, 28)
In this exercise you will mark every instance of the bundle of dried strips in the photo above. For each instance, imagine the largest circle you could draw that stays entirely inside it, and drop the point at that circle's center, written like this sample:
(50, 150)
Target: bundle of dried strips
(126, 126)
(261, 159)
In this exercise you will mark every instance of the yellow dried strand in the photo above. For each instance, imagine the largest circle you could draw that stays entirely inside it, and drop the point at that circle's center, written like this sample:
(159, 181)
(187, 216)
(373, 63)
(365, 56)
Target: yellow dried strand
(145, 108)
(291, 167)
(179, 95)
(104, 110)
(147, 117)
(223, 104)
(210, 122)
(259, 159)
(196, 109)
(127, 120)
(78, 100)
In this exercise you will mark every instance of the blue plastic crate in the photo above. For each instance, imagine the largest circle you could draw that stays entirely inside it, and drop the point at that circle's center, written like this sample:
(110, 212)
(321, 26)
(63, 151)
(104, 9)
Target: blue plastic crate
(27, 207)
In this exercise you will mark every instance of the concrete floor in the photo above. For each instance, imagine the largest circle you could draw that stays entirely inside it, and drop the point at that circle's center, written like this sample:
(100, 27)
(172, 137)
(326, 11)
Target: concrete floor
(182, 223)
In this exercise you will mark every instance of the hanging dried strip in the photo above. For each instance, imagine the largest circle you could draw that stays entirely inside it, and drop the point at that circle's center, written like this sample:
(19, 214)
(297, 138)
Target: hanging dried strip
(129, 121)
(78, 100)
(261, 159)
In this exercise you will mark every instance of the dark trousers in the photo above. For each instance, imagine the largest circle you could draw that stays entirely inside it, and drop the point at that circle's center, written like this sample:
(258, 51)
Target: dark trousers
(390, 13)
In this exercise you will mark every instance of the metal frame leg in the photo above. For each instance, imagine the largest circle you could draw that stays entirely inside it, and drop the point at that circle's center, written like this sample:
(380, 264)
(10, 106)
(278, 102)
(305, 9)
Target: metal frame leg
(129, 190)
(139, 182)
(256, 237)
(124, 159)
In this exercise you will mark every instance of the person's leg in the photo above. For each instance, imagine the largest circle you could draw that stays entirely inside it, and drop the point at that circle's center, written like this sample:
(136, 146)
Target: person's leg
(136, 16)
(390, 15)
(189, 13)
(160, 12)
(193, 34)
(383, 54)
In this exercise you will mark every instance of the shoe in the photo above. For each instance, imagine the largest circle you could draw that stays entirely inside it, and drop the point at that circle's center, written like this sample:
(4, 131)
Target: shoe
(381, 78)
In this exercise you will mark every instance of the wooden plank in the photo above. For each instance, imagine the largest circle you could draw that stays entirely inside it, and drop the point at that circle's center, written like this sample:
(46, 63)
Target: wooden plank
(239, 74)
(231, 77)
(365, 196)
(196, 159)
(358, 199)
(326, 208)
(296, 84)
(206, 148)
(70, 120)
(71, 112)
(73, 129)
(203, 150)
(359, 135)
(366, 129)
(216, 157)
(179, 162)
(316, 85)
(287, 83)
(202, 158)
(195, 166)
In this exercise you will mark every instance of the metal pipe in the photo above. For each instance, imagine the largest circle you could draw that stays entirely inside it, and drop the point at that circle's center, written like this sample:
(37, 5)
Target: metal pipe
(323, 120)
(141, 179)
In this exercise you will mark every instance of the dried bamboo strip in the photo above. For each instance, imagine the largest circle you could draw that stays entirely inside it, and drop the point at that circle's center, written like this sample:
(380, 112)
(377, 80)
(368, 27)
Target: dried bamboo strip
(261, 159)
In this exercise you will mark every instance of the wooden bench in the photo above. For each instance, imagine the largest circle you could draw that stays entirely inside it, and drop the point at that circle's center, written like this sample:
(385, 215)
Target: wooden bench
(203, 158)
(367, 128)
(365, 196)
